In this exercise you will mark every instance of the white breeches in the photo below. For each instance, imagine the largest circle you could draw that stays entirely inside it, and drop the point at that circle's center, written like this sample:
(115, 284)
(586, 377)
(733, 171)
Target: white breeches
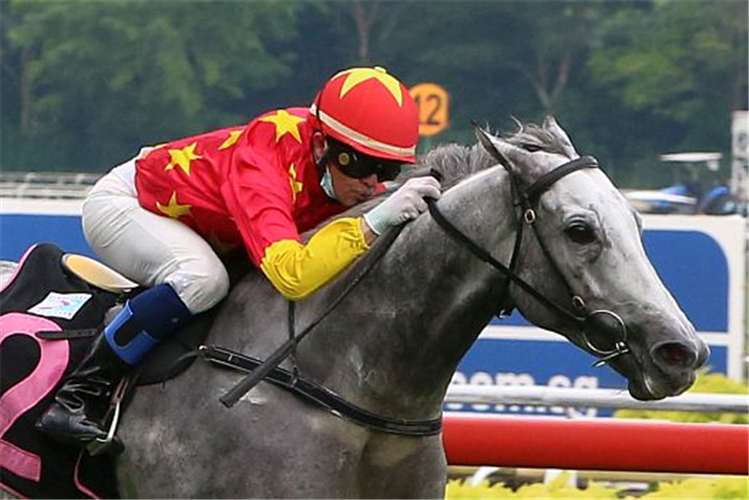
(148, 248)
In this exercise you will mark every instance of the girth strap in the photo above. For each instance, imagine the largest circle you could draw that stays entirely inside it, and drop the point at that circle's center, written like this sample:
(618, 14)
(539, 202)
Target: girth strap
(321, 396)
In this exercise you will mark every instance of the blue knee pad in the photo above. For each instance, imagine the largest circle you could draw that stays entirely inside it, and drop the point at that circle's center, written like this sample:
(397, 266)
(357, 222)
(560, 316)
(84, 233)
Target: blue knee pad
(144, 321)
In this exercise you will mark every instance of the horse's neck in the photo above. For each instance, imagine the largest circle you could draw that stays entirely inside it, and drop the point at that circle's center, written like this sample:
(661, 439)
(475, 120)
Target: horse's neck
(428, 303)
(463, 292)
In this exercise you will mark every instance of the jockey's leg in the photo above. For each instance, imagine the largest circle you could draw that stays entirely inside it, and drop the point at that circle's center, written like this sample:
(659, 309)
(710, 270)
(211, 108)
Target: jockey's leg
(185, 275)
(82, 401)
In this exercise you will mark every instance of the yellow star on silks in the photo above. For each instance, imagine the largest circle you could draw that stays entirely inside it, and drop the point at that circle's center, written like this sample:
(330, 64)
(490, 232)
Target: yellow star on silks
(358, 75)
(285, 124)
(231, 140)
(182, 158)
(174, 209)
(296, 186)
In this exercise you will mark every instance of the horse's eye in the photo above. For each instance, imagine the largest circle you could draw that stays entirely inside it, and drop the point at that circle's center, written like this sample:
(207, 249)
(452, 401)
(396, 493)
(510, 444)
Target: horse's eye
(580, 233)
(531, 148)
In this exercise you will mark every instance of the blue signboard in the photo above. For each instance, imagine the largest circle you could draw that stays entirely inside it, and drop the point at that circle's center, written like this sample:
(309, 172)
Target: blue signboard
(20, 231)
(694, 268)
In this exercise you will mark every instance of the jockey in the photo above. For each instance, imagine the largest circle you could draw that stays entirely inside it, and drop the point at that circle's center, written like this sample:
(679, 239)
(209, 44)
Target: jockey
(163, 218)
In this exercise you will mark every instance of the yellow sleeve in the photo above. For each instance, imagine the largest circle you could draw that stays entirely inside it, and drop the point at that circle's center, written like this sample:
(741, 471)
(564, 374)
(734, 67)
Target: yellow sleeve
(297, 270)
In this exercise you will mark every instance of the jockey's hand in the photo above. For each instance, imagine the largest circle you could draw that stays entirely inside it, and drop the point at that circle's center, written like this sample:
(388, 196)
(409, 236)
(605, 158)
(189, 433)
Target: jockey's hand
(403, 205)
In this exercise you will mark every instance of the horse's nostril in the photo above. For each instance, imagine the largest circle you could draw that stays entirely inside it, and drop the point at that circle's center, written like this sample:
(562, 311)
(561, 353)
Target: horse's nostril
(676, 355)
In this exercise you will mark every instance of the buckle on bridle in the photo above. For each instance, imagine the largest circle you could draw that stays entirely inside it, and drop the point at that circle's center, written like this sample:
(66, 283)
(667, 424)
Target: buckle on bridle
(594, 320)
(620, 348)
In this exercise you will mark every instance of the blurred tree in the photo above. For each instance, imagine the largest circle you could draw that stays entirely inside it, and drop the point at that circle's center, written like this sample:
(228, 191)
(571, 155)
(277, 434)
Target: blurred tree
(97, 79)
(11, 97)
(555, 40)
(84, 83)
(362, 27)
(496, 59)
(683, 61)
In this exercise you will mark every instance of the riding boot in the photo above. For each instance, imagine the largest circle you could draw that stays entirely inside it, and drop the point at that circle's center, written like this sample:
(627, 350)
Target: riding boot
(80, 405)
(76, 416)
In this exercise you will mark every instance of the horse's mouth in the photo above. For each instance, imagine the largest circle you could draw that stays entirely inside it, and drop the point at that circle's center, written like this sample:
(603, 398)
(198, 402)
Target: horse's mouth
(646, 382)
(648, 389)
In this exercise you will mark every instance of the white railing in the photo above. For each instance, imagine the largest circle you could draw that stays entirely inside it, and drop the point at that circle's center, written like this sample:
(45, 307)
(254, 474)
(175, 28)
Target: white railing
(593, 398)
(50, 185)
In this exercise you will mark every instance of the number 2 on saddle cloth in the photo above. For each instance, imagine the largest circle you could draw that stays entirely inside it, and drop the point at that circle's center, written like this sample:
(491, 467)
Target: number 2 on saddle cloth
(44, 296)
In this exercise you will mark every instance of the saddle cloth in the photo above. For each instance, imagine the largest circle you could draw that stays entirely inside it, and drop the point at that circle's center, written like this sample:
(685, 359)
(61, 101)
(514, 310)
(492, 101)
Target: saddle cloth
(43, 296)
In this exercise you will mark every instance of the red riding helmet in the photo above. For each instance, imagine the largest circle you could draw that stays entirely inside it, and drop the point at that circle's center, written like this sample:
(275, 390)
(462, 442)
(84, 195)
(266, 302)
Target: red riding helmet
(371, 111)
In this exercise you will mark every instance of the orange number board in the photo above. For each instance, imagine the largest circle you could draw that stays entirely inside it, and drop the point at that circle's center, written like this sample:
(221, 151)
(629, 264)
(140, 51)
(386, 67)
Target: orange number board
(433, 103)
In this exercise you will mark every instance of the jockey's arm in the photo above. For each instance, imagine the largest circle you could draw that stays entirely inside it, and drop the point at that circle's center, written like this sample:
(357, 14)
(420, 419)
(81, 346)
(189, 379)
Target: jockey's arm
(262, 207)
(297, 269)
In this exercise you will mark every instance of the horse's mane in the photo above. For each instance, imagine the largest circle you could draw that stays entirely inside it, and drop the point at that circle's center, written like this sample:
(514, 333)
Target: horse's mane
(455, 162)
(547, 139)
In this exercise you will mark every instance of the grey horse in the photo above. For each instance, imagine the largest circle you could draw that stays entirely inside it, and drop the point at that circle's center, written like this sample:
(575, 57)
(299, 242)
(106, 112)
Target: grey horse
(394, 341)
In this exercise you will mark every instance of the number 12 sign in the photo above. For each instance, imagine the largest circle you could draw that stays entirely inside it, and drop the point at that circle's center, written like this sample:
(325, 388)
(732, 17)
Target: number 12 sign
(433, 103)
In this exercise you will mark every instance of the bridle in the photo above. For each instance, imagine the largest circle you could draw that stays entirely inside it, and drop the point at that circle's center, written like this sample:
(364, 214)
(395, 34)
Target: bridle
(525, 199)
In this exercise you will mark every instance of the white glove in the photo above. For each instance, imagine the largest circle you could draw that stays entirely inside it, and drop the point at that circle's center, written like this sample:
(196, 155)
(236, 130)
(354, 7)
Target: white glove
(403, 205)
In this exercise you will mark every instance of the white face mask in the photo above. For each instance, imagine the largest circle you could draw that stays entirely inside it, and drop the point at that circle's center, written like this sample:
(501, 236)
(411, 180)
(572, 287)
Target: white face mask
(327, 184)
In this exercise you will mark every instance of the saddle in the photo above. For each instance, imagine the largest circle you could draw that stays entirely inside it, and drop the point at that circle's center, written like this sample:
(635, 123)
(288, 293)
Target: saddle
(51, 310)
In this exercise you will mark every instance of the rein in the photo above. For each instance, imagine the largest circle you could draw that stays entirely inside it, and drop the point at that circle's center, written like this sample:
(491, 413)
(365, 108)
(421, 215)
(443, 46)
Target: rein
(287, 348)
(485, 256)
(257, 370)
(527, 199)
(321, 396)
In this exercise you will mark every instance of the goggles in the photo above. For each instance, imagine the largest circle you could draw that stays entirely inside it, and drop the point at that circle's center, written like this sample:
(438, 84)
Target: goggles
(357, 165)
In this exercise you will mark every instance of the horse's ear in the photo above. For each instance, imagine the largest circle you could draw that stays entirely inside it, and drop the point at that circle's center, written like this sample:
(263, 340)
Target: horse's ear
(487, 142)
(551, 123)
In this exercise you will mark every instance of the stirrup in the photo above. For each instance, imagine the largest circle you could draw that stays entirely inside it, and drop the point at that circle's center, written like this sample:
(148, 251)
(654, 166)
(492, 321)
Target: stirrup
(95, 273)
(110, 444)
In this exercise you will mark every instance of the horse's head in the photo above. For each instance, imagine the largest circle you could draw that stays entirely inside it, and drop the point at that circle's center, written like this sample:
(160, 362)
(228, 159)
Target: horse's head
(588, 241)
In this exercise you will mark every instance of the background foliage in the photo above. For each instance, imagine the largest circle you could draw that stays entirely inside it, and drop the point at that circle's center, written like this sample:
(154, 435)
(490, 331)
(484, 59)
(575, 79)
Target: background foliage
(725, 487)
(83, 84)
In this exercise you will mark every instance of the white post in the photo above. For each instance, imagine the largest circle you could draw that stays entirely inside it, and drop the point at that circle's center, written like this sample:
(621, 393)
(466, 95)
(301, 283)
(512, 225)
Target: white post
(740, 156)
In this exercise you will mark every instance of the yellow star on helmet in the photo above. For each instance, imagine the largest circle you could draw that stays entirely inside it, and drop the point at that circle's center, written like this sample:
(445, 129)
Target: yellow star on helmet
(285, 124)
(174, 209)
(182, 158)
(358, 75)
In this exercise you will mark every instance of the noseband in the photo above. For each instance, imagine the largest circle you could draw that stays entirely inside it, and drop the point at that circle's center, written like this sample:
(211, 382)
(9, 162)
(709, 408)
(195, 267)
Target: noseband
(525, 200)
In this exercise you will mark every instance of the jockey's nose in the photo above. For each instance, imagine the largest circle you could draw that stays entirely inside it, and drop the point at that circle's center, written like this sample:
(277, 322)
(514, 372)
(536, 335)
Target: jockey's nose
(370, 181)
